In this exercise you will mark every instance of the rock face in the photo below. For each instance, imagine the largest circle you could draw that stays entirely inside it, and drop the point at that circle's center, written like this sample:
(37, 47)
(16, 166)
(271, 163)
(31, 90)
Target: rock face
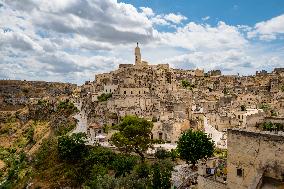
(16, 94)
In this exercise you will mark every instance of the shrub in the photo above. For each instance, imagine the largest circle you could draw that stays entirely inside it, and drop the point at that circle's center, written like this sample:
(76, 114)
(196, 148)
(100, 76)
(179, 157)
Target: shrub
(162, 153)
(123, 164)
(104, 97)
(71, 147)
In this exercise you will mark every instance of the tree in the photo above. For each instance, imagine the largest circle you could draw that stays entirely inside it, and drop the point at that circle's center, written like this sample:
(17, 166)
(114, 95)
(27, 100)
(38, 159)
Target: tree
(71, 147)
(161, 174)
(187, 84)
(133, 136)
(194, 145)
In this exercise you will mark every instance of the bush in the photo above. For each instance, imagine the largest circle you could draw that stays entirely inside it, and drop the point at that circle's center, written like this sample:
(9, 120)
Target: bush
(123, 164)
(142, 170)
(162, 153)
(104, 97)
(100, 155)
(161, 174)
(71, 148)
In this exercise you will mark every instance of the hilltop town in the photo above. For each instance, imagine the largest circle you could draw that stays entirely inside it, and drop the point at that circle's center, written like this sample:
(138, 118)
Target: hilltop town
(176, 99)
(243, 115)
(235, 111)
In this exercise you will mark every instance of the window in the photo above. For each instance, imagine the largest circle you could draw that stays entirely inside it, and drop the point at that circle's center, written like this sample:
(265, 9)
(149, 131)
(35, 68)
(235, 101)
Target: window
(240, 172)
(124, 92)
(131, 92)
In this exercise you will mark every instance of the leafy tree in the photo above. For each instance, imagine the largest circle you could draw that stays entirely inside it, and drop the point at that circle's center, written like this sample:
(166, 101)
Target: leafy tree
(161, 174)
(71, 147)
(194, 145)
(123, 164)
(133, 136)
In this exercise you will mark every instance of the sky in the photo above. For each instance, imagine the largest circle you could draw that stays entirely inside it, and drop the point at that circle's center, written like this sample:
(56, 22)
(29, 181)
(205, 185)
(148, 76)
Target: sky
(72, 40)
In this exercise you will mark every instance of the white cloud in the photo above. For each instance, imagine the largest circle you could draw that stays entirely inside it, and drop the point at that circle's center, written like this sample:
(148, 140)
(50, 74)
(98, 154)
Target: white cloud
(268, 30)
(198, 36)
(206, 18)
(147, 11)
(175, 18)
(71, 40)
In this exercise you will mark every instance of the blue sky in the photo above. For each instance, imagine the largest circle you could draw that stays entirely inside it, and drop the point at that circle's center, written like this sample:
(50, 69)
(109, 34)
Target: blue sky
(72, 40)
(233, 12)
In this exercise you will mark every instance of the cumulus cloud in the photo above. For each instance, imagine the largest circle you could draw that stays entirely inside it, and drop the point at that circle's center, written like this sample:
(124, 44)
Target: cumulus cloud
(175, 18)
(268, 30)
(147, 11)
(199, 36)
(70, 40)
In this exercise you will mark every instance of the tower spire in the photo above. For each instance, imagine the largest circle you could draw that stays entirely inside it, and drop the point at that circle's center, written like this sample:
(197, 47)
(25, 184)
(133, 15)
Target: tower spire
(137, 55)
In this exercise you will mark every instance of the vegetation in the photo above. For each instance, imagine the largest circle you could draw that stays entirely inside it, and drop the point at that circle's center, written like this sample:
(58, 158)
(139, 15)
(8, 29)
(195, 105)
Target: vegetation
(33, 148)
(133, 136)
(282, 88)
(194, 145)
(265, 107)
(187, 85)
(60, 159)
(66, 107)
(71, 147)
(104, 97)
(269, 126)
(98, 167)
(162, 154)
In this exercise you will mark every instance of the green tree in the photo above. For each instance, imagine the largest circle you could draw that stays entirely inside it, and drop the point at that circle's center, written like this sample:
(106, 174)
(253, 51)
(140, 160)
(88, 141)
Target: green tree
(133, 136)
(186, 84)
(123, 164)
(104, 97)
(161, 174)
(71, 147)
(194, 145)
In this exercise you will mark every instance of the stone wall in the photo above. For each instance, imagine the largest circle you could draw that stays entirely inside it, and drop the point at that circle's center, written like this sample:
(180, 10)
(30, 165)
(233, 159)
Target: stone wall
(253, 156)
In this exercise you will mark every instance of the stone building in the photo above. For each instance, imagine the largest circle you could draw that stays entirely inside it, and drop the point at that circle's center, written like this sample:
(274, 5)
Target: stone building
(255, 161)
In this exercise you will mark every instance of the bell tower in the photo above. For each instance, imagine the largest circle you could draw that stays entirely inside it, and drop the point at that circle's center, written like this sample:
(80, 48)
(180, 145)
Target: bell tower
(137, 55)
